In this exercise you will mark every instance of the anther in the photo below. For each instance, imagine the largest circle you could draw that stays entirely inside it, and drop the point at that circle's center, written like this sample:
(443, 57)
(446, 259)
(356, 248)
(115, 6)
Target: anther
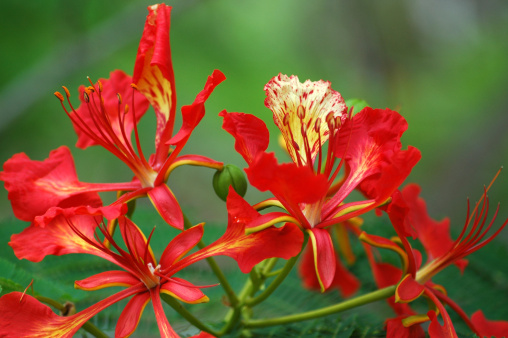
(60, 96)
(86, 97)
(67, 93)
(100, 86)
(285, 120)
(300, 112)
(133, 85)
(119, 97)
(317, 125)
(126, 110)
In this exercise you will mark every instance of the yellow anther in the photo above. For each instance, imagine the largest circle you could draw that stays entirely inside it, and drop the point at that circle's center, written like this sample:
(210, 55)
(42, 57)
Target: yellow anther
(133, 85)
(119, 98)
(100, 86)
(86, 97)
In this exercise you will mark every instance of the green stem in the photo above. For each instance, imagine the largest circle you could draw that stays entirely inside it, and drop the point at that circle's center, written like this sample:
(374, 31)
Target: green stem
(88, 327)
(343, 306)
(187, 315)
(230, 293)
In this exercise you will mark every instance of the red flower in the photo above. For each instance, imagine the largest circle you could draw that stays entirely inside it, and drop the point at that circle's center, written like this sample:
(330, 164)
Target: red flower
(110, 110)
(144, 278)
(308, 115)
(408, 209)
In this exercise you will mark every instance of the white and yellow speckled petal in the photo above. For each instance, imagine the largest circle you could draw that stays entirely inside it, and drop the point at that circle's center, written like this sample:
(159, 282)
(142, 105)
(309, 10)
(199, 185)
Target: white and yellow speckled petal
(300, 111)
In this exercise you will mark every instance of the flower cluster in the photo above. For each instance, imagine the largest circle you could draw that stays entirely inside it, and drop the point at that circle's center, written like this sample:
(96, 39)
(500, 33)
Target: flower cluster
(343, 164)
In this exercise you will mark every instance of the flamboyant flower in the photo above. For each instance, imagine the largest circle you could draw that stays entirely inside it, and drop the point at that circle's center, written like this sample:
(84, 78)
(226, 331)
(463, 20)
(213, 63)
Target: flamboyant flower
(367, 146)
(110, 110)
(144, 277)
(407, 209)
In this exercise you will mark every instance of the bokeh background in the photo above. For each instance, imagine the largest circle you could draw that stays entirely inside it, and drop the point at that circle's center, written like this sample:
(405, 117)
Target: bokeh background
(443, 64)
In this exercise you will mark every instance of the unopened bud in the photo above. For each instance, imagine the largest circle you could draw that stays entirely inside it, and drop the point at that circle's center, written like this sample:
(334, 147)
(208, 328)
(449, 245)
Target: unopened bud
(230, 175)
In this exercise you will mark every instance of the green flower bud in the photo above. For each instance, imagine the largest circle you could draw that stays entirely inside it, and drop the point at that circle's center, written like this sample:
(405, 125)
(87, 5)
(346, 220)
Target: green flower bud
(230, 175)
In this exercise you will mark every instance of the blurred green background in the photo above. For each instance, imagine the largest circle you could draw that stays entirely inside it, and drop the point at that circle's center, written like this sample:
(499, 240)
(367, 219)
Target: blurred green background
(442, 64)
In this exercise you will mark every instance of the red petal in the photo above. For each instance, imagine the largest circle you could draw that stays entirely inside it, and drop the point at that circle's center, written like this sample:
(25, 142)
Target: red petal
(395, 329)
(408, 290)
(136, 241)
(153, 72)
(184, 291)
(489, 328)
(106, 279)
(57, 238)
(131, 314)
(118, 83)
(324, 256)
(343, 280)
(180, 245)
(370, 145)
(291, 184)
(436, 330)
(35, 186)
(167, 206)
(109, 212)
(24, 316)
(250, 249)
(162, 320)
(193, 113)
(250, 133)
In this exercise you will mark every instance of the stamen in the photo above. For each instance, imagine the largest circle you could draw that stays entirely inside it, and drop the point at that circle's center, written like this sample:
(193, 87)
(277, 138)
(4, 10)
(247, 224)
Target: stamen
(300, 112)
(66, 91)
(60, 96)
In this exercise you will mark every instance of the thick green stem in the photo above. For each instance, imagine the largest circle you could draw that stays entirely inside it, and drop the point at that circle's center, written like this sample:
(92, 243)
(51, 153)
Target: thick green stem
(187, 315)
(230, 293)
(343, 306)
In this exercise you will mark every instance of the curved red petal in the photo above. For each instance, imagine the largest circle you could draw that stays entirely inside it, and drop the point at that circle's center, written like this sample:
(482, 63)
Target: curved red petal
(489, 328)
(408, 290)
(106, 279)
(370, 145)
(192, 114)
(183, 290)
(109, 212)
(25, 316)
(166, 205)
(131, 314)
(324, 256)
(136, 241)
(181, 245)
(153, 73)
(250, 133)
(288, 182)
(343, 280)
(250, 249)
(395, 329)
(56, 238)
(162, 321)
(36, 186)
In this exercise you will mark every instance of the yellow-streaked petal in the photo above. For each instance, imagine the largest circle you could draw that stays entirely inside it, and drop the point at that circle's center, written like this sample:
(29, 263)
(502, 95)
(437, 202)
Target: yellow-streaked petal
(302, 108)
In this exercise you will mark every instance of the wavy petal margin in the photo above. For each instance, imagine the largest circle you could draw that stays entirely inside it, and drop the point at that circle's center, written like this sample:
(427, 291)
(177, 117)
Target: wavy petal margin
(250, 133)
(153, 73)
